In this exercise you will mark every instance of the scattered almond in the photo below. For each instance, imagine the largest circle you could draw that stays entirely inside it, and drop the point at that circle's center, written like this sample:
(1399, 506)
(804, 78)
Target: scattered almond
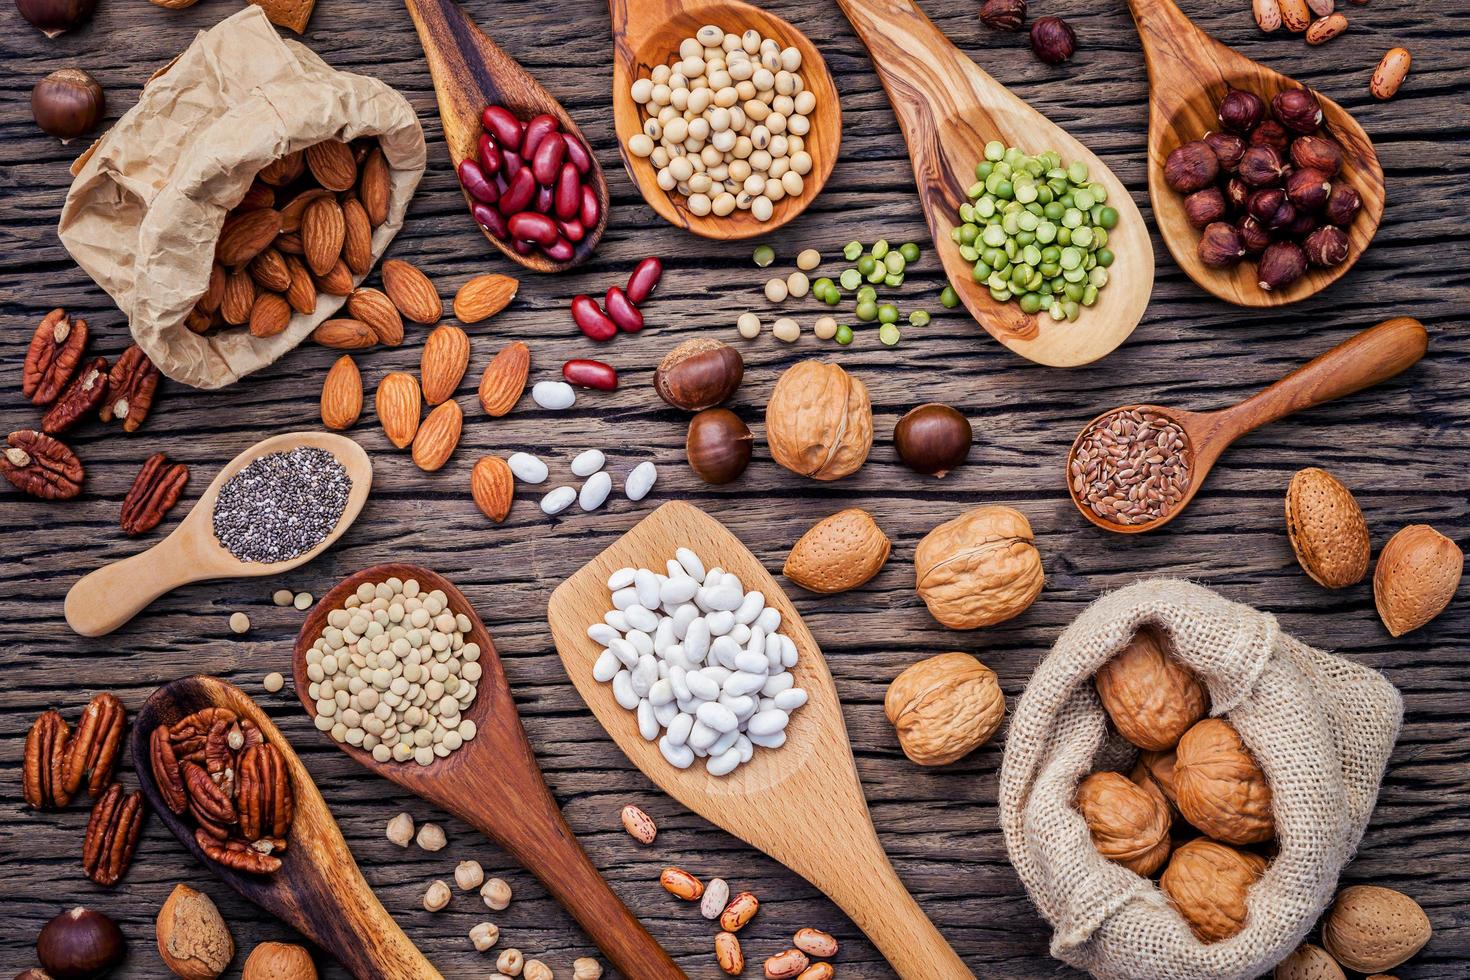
(373, 307)
(331, 163)
(375, 186)
(269, 270)
(437, 437)
(322, 232)
(504, 379)
(1371, 929)
(357, 243)
(398, 403)
(1417, 574)
(838, 553)
(493, 487)
(246, 235)
(412, 292)
(483, 297)
(1326, 529)
(269, 315)
(342, 394)
(344, 334)
(445, 358)
(295, 210)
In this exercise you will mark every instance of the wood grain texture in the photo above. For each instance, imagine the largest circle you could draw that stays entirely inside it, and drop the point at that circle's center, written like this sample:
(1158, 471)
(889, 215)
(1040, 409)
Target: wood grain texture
(499, 764)
(646, 33)
(1189, 73)
(1401, 447)
(801, 804)
(949, 108)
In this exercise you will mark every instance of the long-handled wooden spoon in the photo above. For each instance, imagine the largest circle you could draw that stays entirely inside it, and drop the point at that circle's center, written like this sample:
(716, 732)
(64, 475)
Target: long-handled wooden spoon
(470, 71)
(1189, 72)
(1361, 361)
(802, 803)
(103, 600)
(949, 109)
(647, 33)
(493, 783)
(318, 889)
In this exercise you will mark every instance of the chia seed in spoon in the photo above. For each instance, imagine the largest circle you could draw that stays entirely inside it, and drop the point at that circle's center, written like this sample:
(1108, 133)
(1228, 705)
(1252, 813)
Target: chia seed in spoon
(281, 505)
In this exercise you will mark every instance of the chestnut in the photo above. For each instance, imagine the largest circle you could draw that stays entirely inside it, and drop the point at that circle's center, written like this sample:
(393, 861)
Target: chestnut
(1052, 40)
(1298, 110)
(1281, 264)
(1327, 246)
(1191, 167)
(1228, 148)
(1253, 235)
(699, 374)
(1204, 206)
(1241, 111)
(718, 445)
(1220, 245)
(1270, 133)
(1261, 166)
(80, 944)
(1317, 153)
(67, 103)
(1308, 189)
(933, 439)
(54, 17)
(1342, 205)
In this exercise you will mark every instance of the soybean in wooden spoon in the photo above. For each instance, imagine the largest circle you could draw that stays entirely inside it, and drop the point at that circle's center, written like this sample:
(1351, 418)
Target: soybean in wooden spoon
(647, 33)
(1189, 73)
(470, 71)
(949, 108)
(318, 890)
(103, 600)
(1364, 360)
(802, 803)
(493, 783)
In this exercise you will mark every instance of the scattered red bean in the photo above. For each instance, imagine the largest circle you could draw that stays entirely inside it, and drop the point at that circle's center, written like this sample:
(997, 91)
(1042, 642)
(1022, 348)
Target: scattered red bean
(644, 279)
(518, 195)
(577, 153)
(572, 230)
(622, 311)
(503, 125)
(537, 130)
(590, 374)
(473, 179)
(533, 227)
(590, 318)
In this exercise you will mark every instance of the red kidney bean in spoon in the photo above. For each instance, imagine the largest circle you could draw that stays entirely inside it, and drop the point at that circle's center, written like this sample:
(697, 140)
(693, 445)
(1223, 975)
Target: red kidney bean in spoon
(577, 153)
(591, 207)
(568, 192)
(503, 125)
(473, 179)
(546, 162)
(572, 230)
(560, 250)
(537, 129)
(532, 227)
(489, 156)
(591, 320)
(623, 313)
(491, 220)
(644, 279)
(518, 195)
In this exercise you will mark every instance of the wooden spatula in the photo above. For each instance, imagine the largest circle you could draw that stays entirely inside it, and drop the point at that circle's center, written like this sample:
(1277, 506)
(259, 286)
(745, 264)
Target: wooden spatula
(802, 803)
(949, 109)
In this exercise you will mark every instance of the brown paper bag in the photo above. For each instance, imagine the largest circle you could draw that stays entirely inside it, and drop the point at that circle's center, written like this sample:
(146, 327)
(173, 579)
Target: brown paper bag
(149, 198)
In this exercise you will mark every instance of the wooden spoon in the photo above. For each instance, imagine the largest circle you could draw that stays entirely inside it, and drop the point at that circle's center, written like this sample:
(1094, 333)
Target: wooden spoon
(105, 599)
(494, 784)
(1361, 361)
(318, 888)
(949, 109)
(471, 71)
(1189, 72)
(802, 803)
(647, 33)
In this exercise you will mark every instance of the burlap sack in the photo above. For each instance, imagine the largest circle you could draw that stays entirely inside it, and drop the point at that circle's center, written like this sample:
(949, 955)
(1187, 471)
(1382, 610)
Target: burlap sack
(146, 207)
(1321, 728)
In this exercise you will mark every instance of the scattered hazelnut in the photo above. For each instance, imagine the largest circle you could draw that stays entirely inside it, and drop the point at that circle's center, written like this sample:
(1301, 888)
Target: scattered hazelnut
(1241, 111)
(1343, 205)
(1308, 189)
(1261, 166)
(1282, 263)
(279, 961)
(1220, 246)
(1317, 153)
(80, 943)
(1191, 166)
(1270, 133)
(1297, 109)
(1253, 235)
(718, 445)
(437, 896)
(67, 103)
(193, 940)
(585, 967)
(510, 962)
(1004, 15)
(496, 894)
(400, 829)
(484, 935)
(1327, 246)
(1052, 39)
(699, 374)
(431, 837)
(468, 875)
(1204, 206)
(54, 17)
(1228, 148)
(933, 439)
(536, 970)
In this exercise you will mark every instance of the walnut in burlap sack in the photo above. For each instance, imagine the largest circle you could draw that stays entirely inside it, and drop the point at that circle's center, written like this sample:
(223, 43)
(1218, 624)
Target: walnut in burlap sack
(1321, 728)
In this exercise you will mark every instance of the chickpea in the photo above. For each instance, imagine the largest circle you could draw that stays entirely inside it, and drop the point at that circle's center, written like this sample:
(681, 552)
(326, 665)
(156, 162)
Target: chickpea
(400, 829)
(536, 970)
(485, 935)
(510, 962)
(496, 894)
(437, 896)
(468, 875)
(586, 968)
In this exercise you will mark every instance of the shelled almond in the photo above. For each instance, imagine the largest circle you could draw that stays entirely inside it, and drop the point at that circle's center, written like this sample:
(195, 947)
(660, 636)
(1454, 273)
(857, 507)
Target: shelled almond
(398, 404)
(445, 358)
(412, 292)
(505, 379)
(342, 394)
(483, 297)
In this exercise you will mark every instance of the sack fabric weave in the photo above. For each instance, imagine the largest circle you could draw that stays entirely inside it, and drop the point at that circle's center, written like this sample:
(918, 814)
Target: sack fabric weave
(1320, 727)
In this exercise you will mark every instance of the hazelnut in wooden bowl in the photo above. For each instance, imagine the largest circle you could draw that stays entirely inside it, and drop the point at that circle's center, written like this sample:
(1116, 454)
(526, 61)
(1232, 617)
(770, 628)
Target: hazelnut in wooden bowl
(1207, 882)
(1129, 824)
(1151, 698)
(1218, 786)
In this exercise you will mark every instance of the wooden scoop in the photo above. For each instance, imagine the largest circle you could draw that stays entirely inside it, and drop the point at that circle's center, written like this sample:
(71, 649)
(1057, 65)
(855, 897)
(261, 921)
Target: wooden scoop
(470, 71)
(318, 889)
(802, 803)
(494, 784)
(647, 33)
(949, 109)
(107, 598)
(1189, 72)
(1361, 361)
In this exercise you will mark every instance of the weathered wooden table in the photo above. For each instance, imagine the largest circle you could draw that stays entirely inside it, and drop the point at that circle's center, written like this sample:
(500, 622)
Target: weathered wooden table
(1402, 448)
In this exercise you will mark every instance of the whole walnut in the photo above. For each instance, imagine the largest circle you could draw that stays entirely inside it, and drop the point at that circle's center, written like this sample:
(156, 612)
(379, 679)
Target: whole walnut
(1207, 883)
(1129, 825)
(944, 708)
(979, 569)
(1151, 698)
(279, 961)
(819, 422)
(1218, 786)
(1154, 771)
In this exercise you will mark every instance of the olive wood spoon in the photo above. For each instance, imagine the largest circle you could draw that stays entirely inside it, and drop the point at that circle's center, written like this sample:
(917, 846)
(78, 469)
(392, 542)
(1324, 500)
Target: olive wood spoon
(802, 803)
(318, 889)
(647, 33)
(103, 600)
(949, 108)
(470, 71)
(1361, 361)
(492, 782)
(1189, 72)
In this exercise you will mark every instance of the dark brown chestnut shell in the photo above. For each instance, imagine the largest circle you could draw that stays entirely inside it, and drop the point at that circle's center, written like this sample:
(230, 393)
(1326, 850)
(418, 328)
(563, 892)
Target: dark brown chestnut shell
(718, 445)
(933, 439)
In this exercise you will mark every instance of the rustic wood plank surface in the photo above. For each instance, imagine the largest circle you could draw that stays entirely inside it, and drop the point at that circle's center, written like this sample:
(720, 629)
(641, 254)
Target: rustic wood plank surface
(1402, 448)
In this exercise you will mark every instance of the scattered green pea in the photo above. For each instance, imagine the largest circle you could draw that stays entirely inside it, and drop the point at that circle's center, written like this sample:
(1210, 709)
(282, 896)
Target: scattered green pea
(867, 311)
(852, 250)
(887, 313)
(948, 298)
(843, 335)
(880, 248)
(866, 264)
(850, 279)
(919, 318)
(909, 251)
(764, 255)
(888, 333)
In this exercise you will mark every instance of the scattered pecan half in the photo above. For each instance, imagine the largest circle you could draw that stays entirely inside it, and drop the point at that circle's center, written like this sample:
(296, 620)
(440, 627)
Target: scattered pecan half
(207, 801)
(95, 745)
(45, 757)
(131, 386)
(80, 399)
(236, 854)
(112, 835)
(166, 771)
(41, 466)
(55, 352)
(155, 490)
(266, 801)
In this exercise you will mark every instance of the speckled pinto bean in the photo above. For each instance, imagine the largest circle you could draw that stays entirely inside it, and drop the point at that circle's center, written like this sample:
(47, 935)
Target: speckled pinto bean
(644, 279)
(787, 964)
(591, 320)
(682, 884)
(590, 374)
(817, 971)
(622, 311)
(728, 954)
(815, 942)
(742, 909)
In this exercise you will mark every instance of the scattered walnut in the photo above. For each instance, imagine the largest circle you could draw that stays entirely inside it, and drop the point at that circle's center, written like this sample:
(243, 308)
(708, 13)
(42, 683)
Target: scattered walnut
(468, 875)
(437, 896)
(400, 829)
(944, 707)
(431, 837)
(485, 935)
(536, 970)
(510, 962)
(979, 569)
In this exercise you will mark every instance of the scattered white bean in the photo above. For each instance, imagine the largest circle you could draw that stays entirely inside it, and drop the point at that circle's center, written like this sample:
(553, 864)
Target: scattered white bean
(239, 623)
(527, 468)
(786, 329)
(588, 462)
(776, 290)
(594, 491)
(640, 481)
(553, 396)
(273, 682)
(558, 500)
(283, 597)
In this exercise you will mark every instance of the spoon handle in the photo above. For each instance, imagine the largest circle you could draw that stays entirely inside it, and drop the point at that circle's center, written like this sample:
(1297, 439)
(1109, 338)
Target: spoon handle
(105, 599)
(1361, 361)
